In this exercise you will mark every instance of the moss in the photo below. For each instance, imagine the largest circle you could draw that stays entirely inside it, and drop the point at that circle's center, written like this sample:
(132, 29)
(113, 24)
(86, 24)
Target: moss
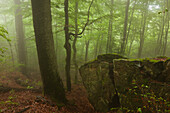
(161, 57)
(154, 61)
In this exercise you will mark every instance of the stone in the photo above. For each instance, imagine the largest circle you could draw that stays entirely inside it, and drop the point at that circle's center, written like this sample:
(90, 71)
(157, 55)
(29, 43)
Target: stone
(96, 80)
(111, 72)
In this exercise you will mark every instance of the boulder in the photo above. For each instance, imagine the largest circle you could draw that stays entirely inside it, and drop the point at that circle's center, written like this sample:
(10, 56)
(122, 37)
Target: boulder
(98, 82)
(112, 73)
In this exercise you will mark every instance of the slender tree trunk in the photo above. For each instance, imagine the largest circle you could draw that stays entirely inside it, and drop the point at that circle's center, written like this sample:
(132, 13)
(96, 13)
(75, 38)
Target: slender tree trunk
(52, 83)
(142, 35)
(87, 49)
(67, 46)
(157, 42)
(160, 39)
(100, 46)
(123, 45)
(96, 47)
(109, 39)
(131, 43)
(130, 22)
(166, 33)
(22, 57)
(74, 42)
(9, 43)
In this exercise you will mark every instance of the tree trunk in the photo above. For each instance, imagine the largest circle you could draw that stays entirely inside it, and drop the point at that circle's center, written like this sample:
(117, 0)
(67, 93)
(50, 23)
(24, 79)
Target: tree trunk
(74, 43)
(67, 46)
(10, 45)
(130, 22)
(52, 83)
(87, 49)
(100, 46)
(109, 39)
(142, 35)
(166, 34)
(131, 43)
(160, 39)
(122, 51)
(96, 47)
(22, 57)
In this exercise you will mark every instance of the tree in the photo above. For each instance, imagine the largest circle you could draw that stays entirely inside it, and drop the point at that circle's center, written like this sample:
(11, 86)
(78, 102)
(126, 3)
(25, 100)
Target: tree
(109, 39)
(74, 42)
(166, 32)
(67, 46)
(22, 57)
(142, 31)
(52, 83)
(123, 44)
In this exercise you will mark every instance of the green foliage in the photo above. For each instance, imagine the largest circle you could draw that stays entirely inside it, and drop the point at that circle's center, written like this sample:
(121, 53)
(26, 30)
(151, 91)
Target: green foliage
(30, 87)
(3, 33)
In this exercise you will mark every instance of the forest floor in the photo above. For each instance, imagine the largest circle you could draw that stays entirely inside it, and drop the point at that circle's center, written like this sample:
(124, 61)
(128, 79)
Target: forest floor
(15, 98)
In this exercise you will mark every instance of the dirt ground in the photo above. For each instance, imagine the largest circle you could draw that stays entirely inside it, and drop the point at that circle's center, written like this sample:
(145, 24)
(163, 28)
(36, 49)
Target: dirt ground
(16, 98)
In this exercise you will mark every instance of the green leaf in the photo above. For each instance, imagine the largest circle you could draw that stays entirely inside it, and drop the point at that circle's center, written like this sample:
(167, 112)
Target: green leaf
(139, 110)
(166, 10)
(159, 12)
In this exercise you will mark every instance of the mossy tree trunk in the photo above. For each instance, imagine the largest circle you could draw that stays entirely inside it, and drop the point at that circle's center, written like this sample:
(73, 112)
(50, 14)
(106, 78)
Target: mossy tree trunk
(52, 84)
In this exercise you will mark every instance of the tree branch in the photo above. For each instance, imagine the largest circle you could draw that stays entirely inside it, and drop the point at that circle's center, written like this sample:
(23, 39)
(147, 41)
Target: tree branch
(88, 15)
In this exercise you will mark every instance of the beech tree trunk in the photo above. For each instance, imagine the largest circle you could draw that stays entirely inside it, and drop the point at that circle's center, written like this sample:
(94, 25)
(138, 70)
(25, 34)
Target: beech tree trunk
(52, 83)
(67, 47)
(74, 42)
(22, 57)
(142, 34)
(166, 32)
(109, 39)
(123, 44)
(159, 47)
(129, 27)
(96, 47)
(87, 50)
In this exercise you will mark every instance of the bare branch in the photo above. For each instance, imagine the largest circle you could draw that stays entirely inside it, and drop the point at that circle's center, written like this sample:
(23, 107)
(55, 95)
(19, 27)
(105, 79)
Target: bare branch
(88, 15)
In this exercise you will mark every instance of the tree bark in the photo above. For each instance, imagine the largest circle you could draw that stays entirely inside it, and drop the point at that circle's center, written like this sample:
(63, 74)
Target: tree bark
(100, 46)
(129, 27)
(166, 33)
(142, 35)
(87, 49)
(52, 83)
(159, 47)
(96, 47)
(22, 57)
(123, 44)
(74, 42)
(110, 28)
(67, 46)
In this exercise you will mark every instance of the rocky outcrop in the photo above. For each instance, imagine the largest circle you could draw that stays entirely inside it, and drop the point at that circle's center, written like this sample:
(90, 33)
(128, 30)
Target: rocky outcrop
(111, 72)
(131, 77)
(98, 82)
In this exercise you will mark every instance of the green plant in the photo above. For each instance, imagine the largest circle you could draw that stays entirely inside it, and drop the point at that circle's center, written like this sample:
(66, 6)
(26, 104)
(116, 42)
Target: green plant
(11, 97)
(30, 87)
(141, 99)
(12, 91)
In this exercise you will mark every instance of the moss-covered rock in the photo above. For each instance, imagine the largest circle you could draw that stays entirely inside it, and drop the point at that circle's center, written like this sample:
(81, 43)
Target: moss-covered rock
(96, 79)
(127, 74)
